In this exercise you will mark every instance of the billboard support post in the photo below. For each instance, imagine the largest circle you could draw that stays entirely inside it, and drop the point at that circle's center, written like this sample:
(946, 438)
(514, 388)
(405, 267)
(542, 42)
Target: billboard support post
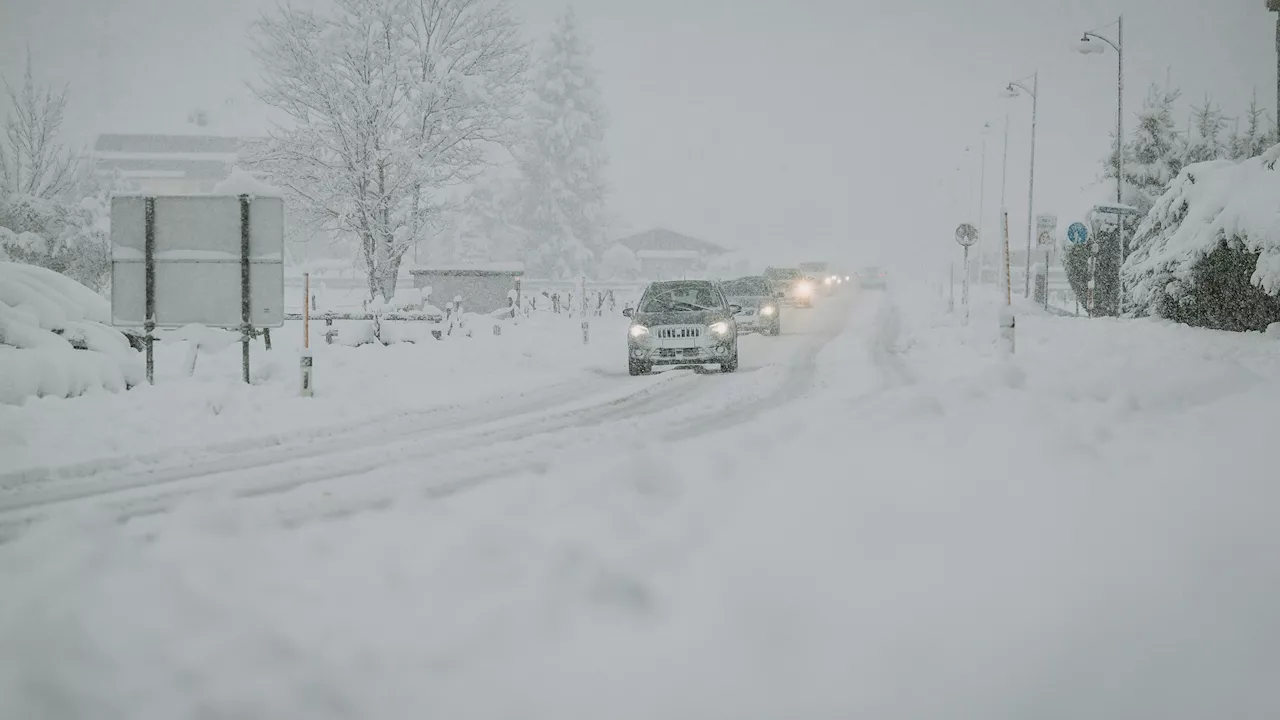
(149, 260)
(246, 307)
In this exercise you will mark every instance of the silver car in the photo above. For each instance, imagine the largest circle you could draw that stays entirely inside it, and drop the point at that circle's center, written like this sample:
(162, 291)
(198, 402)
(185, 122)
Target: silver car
(761, 307)
(682, 322)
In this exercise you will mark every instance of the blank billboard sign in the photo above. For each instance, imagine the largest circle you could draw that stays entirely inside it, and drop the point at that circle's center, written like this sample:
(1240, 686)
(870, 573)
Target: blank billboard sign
(197, 261)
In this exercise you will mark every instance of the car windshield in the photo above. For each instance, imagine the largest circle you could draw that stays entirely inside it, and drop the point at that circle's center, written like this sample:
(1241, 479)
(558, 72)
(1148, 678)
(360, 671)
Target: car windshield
(679, 298)
(748, 286)
(783, 275)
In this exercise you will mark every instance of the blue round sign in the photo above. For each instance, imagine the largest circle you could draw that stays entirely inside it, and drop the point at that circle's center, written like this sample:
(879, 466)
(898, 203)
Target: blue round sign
(1078, 234)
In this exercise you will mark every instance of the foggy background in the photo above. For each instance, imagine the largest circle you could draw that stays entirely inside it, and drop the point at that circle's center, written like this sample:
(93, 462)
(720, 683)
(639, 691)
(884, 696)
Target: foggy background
(784, 129)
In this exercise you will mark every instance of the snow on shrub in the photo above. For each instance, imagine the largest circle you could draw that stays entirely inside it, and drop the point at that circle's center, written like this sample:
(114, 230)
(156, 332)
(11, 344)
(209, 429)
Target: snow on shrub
(54, 340)
(1208, 253)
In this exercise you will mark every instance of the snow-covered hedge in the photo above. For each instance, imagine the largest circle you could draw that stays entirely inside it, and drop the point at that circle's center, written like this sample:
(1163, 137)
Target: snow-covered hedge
(1208, 253)
(55, 339)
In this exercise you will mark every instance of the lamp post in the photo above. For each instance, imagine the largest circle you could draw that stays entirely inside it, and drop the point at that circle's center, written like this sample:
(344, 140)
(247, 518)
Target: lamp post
(982, 197)
(1012, 91)
(1274, 6)
(1086, 46)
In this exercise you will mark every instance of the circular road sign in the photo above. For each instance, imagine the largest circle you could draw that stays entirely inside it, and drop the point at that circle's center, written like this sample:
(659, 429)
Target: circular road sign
(1077, 233)
(966, 234)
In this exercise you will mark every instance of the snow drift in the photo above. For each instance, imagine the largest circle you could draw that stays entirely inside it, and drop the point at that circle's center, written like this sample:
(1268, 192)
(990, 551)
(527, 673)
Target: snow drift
(55, 339)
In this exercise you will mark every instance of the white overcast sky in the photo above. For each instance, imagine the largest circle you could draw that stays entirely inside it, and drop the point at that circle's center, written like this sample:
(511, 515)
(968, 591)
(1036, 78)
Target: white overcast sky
(782, 127)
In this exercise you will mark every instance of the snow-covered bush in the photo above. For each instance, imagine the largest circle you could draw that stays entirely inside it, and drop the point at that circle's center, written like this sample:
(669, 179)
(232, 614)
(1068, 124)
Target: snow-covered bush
(55, 339)
(1208, 253)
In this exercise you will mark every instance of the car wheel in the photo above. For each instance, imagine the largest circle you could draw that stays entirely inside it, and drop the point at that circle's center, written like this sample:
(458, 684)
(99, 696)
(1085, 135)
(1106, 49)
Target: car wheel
(731, 365)
(639, 368)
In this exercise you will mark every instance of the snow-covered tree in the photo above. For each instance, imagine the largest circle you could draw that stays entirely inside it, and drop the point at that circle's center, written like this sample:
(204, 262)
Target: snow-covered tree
(1208, 125)
(489, 219)
(52, 213)
(1156, 151)
(1256, 138)
(33, 160)
(619, 263)
(1208, 253)
(389, 100)
(563, 160)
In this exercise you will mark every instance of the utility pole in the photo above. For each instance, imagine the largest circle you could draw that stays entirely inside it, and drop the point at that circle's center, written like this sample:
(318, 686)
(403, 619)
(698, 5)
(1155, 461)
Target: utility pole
(1274, 6)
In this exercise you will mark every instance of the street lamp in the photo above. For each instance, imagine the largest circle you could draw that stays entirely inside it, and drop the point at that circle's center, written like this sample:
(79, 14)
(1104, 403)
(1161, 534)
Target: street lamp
(1013, 90)
(1087, 46)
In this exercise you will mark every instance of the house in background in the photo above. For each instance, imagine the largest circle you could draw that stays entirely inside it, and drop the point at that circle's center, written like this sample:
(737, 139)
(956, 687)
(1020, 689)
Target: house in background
(166, 164)
(668, 255)
(189, 160)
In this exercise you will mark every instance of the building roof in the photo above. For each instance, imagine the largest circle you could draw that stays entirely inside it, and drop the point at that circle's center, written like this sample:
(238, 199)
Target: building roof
(204, 157)
(663, 240)
(473, 269)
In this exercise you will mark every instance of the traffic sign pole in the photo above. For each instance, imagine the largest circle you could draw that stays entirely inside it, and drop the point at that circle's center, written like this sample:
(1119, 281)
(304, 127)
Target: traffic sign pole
(966, 235)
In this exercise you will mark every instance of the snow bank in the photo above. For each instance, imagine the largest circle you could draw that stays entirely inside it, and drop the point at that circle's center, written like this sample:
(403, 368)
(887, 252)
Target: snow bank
(183, 414)
(44, 317)
(1206, 204)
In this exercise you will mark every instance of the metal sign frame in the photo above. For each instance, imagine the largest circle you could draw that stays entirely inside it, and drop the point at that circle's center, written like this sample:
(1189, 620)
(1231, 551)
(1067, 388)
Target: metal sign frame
(211, 220)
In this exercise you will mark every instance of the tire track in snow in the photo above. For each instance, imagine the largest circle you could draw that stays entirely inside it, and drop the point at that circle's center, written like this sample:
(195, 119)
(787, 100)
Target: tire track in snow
(267, 473)
(405, 422)
(449, 454)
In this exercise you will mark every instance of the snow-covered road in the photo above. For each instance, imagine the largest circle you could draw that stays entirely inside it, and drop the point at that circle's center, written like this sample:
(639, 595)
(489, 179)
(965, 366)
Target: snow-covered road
(445, 448)
(877, 517)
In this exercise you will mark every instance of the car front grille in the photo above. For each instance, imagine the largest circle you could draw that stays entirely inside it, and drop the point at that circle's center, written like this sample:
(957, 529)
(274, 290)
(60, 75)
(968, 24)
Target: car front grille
(667, 333)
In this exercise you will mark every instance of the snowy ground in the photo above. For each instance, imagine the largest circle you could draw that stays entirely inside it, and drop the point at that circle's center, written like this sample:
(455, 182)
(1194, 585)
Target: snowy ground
(877, 517)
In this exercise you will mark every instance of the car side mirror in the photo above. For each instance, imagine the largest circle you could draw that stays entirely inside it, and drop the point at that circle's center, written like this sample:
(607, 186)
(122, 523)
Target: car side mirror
(628, 312)
(735, 308)
(779, 295)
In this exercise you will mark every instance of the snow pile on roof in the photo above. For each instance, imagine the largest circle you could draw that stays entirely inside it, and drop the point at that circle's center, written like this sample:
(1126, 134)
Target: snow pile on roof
(1209, 203)
(54, 338)
(243, 182)
(483, 267)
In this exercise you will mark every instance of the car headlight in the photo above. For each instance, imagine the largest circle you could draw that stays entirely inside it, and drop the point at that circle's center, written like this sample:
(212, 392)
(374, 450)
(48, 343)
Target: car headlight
(639, 331)
(719, 328)
(768, 310)
(827, 281)
(804, 288)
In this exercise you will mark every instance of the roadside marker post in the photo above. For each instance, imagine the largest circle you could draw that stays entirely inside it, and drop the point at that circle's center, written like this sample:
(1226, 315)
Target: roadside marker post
(586, 326)
(305, 361)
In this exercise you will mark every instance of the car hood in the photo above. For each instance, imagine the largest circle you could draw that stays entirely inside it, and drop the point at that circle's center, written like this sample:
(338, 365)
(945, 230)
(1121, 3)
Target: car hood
(701, 317)
(750, 301)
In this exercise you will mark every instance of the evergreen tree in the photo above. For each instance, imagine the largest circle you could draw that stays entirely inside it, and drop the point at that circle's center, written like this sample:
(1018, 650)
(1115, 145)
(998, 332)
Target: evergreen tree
(1156, 151)
(1208, 143)
(563, 161)
(1258, 136)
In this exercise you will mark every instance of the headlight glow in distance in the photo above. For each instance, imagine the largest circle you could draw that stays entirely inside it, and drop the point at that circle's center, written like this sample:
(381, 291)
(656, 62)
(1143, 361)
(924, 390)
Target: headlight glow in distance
(639, 331)
(768, 310)
(719, 328)
(804, 288)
